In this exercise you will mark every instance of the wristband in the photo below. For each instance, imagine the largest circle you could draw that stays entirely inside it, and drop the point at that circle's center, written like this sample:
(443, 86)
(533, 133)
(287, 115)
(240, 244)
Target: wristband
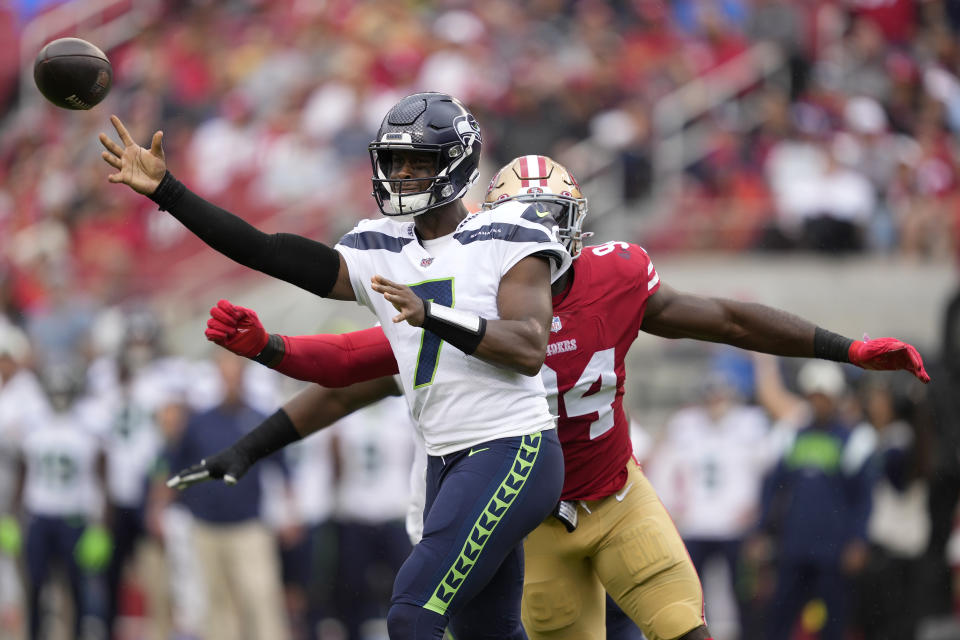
(273, 434)
(831, 346)
(462, 329)
(167, 192)
(272, 352)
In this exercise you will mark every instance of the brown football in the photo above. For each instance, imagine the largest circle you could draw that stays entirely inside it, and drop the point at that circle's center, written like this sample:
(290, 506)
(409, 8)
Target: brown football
(72, 73)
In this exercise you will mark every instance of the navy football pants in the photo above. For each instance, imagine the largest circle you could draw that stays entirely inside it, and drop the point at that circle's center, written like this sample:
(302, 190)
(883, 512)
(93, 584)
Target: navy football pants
(467, 571)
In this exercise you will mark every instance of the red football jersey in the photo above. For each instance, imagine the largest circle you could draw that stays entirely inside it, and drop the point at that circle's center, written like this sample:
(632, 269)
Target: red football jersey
(594, 323)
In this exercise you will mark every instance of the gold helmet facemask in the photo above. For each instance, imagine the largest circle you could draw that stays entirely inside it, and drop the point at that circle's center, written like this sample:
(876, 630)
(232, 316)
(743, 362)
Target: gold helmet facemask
(544, 181)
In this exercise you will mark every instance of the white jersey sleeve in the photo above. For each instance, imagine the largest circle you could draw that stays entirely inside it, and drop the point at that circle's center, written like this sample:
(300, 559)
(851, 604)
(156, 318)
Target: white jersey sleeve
(457, 400)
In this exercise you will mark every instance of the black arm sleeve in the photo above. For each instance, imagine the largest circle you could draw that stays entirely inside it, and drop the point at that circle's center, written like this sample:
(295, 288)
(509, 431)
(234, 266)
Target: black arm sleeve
(300, 261)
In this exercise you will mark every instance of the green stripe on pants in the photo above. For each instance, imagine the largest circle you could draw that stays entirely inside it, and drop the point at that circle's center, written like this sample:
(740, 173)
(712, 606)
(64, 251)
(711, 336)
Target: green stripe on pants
(502, 498)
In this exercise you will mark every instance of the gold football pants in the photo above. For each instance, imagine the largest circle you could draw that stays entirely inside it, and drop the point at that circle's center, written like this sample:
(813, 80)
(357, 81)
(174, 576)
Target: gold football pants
(625, 544)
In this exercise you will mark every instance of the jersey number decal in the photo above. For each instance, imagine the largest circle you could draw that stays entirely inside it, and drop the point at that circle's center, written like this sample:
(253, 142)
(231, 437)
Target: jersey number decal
(575, 399)
(609, 247)
(57, 470)
(441, 292)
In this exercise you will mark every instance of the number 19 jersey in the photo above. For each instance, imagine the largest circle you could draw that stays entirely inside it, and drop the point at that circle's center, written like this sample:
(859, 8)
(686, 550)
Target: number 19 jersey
(457, 400)
(594, 323)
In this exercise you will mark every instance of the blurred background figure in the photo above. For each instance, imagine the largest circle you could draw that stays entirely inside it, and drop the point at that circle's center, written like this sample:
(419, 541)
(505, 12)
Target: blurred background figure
(374, 452)
(899, 527)
(708, 469)
(22, 405)
(236, 550)
(134, 386)
(63, 498)
(308, 540)
(816, 503)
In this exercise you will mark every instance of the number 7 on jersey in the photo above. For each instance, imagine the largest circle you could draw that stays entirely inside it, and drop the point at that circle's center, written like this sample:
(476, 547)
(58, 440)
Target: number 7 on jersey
(441, 292)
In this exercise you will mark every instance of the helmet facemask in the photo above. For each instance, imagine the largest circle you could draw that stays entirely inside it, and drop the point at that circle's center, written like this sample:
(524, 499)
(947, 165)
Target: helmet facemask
(404, 196)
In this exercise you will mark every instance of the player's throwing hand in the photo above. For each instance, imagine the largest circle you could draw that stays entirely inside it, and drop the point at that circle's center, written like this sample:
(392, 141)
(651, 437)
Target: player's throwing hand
(402, 297)
(141, 169)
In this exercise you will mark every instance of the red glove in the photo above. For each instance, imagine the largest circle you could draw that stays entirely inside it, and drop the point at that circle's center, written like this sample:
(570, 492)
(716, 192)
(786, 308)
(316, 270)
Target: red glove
(236, 329)
(887, 354)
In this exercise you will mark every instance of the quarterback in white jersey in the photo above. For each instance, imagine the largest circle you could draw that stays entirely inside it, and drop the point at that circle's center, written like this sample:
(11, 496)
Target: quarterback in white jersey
(481, 284)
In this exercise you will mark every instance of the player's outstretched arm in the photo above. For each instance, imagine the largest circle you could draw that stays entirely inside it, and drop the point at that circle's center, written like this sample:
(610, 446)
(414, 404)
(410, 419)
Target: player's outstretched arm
(308, 264)
(517, 340)
(330, 360)
(757, 327)
(312, 409)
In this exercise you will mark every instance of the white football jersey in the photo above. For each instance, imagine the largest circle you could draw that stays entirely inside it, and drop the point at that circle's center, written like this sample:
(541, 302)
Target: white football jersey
(311, 465)
(456, 400)
(132, 436)
(22, 405)
(61, 457)
(375, 447)
(709, 472)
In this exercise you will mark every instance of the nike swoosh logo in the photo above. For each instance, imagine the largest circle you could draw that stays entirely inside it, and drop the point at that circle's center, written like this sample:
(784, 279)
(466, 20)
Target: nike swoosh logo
(623, 494)
(543, 214)
(473, 451)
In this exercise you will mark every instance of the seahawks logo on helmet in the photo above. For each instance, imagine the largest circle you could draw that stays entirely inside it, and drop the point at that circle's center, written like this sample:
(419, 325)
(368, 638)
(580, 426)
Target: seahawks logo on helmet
(467, 129)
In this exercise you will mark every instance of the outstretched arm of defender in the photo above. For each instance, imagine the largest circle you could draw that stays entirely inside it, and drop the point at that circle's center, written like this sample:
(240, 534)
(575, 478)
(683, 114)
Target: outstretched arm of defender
(330, 360)
(300, 261)
(756, 327)
(309, 411)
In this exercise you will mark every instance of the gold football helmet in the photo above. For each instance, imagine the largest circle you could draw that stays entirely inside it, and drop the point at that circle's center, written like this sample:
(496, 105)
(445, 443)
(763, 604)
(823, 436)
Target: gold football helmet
(543, 180)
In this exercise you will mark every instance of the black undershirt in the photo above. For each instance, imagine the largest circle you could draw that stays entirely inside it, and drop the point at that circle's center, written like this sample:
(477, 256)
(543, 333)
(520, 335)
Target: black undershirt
(308, 264)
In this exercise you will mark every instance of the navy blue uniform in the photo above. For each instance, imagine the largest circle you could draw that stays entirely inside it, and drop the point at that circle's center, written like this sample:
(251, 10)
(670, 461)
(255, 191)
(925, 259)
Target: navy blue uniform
(816, 501)
(467, 571)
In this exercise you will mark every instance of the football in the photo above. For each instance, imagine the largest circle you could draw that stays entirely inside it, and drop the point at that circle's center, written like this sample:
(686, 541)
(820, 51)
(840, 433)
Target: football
(72, 73)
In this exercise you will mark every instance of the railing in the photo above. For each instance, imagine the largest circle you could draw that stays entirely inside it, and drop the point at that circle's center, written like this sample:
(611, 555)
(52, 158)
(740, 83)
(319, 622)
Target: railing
(675, 132)
(678, 140)
(106, 23)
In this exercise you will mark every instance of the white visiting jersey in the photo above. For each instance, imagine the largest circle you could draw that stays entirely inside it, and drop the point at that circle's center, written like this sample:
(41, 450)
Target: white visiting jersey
(375, 446)
(457, 400)
(133, 438)
(22, 404)
(709, 471)
(61, 454)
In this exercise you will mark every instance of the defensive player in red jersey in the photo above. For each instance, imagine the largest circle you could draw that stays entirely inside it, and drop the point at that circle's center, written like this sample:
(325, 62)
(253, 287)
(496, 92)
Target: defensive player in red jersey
(611, 532)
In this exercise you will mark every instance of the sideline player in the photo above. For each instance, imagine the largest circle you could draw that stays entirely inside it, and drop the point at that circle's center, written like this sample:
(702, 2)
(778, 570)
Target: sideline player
(621, 539)
(480, 286)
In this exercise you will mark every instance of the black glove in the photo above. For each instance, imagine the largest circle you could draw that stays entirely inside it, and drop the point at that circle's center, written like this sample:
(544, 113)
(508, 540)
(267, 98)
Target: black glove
(228, 465)
(272, 434)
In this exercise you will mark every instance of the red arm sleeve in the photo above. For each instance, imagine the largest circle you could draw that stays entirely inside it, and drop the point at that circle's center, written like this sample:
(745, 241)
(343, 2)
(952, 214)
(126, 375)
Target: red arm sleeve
(338, 360)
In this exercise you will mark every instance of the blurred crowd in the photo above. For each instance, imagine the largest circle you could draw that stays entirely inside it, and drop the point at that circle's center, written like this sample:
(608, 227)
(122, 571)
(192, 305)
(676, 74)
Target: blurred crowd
(267, 108)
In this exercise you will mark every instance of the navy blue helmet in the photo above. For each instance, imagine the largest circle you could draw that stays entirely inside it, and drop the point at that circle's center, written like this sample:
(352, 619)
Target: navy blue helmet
(440, 128)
